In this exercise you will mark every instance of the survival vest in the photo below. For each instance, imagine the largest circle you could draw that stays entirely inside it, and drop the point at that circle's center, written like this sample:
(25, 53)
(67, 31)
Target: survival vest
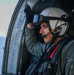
(47, 63)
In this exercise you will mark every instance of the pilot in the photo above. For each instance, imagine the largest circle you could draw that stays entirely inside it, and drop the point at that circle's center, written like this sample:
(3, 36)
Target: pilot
(54, 23)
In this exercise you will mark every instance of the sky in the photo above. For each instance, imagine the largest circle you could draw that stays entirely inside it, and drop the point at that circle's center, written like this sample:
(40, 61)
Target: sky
(6, 9)
(8, 1)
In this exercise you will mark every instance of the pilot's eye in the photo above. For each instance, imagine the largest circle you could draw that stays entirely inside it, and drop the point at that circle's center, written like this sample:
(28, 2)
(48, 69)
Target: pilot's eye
(45, 26)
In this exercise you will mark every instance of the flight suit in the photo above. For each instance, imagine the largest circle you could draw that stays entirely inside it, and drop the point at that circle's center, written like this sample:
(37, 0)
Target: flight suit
(37, 48)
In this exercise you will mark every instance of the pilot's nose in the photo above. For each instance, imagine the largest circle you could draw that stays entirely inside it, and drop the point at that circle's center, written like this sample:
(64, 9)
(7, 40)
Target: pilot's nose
(41, 30)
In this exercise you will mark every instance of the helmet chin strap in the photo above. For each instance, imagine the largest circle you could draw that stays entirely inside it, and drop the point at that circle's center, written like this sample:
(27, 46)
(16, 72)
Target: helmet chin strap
(55, 35)
(53, 39)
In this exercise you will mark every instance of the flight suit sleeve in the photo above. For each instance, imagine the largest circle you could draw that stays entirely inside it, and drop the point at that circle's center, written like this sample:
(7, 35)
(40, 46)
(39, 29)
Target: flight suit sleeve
(34, 47)
(69, 59)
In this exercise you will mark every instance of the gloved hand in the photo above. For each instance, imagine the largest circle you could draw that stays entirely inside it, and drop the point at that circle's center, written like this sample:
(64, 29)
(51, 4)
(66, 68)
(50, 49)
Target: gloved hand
(29, 14)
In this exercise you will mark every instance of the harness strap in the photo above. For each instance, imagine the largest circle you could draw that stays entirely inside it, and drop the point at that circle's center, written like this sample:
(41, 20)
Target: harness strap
(59, 51)
(61, 44)
(52, 54)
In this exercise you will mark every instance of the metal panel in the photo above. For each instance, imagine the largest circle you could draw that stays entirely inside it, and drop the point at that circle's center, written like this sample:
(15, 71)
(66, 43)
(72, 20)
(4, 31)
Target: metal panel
(16, 37)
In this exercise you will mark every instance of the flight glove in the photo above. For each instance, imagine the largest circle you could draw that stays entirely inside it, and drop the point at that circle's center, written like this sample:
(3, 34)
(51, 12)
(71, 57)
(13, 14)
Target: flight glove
(29, 14)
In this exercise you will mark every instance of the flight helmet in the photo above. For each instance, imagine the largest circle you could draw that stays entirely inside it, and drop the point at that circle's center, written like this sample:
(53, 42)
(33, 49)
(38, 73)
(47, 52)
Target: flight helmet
(57, 20)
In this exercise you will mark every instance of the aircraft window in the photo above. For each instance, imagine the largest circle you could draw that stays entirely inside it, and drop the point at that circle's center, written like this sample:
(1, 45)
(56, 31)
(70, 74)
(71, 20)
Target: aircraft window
(6, 11)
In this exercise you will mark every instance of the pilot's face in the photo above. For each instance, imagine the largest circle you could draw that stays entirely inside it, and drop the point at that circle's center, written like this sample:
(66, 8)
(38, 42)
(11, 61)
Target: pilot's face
(45, 31)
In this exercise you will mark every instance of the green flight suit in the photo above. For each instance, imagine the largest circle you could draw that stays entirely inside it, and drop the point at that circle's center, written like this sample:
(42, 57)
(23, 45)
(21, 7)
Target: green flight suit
(38, 48)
